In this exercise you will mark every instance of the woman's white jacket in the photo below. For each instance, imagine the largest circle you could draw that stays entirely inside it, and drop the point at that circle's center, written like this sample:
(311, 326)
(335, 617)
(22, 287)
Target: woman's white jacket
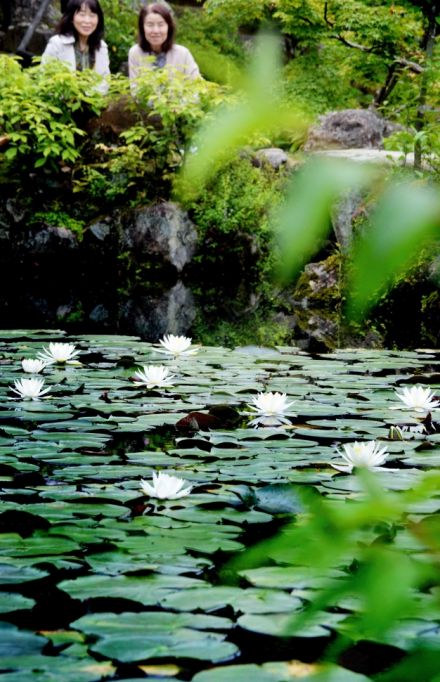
(62, 47)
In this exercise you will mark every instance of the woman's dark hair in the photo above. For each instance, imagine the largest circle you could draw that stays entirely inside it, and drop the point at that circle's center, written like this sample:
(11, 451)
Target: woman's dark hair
(165, 13)
(66, 27)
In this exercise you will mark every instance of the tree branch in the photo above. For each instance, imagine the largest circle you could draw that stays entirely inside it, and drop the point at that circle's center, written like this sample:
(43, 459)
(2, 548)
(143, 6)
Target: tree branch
(326, 19)
(412, 66)
(350, 43)
(401, 61)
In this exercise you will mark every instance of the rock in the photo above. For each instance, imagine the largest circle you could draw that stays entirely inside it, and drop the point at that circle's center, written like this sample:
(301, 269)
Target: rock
(349, 128)
(101, 230)
(274, 156)
(379, 156)
(346, 208)
(120, 115)
(171, 312)
(159, 230)
(50, 239)
(99, 314)
(315, 304)
(15, 210)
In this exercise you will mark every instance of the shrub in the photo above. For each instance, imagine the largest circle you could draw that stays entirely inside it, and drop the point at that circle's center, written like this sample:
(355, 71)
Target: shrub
(143, 158)
(232, 219)
(40, 111)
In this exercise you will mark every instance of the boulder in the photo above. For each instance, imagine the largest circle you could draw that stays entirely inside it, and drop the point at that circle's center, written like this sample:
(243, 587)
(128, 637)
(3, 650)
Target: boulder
(349, 128)
(120, 115)
(50, 240)
(274, 156)
(161, 229)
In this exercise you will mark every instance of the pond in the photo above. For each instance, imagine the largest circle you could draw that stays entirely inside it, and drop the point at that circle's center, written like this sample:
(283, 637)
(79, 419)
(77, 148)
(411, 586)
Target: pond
(101, 581)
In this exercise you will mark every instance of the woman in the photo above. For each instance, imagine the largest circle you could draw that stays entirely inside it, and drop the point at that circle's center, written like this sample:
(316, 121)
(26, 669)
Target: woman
(78, 40)
(156, 48)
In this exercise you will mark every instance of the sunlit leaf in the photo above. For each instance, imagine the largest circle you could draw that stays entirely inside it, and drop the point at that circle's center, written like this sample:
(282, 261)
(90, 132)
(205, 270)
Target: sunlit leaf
(407, 218)
(303, 221)
(259, 111)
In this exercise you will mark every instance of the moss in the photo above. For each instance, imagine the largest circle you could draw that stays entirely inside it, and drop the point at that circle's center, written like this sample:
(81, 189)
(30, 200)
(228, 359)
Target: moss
(430, 328)
(320, 284)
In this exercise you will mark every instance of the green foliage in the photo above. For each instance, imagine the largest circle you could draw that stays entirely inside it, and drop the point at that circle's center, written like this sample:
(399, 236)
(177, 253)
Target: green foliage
(407, 216)
(120, 29)
(38, 113)
(232, 330)
(215, 45)
(232, 217)
(380, 567)
(405, 220)
(260, 110)
(240, 11)
(59, 218)
(327, 64)
(238, 199)
(167, 109)
(357, 45)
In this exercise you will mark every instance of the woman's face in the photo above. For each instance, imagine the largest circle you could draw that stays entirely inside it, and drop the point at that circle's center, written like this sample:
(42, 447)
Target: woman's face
(156, 30)
(85, 22)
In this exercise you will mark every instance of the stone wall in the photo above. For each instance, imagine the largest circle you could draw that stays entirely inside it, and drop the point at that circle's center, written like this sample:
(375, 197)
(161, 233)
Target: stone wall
(125, 272)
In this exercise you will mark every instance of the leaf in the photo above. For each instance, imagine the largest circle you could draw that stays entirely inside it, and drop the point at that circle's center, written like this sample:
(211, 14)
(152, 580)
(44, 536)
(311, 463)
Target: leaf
(260, 110)
(406, 219)
(303, 220)
(279, 498)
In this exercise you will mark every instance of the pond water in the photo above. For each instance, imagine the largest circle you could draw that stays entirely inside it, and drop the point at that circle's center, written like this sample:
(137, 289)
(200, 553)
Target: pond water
(99, 581)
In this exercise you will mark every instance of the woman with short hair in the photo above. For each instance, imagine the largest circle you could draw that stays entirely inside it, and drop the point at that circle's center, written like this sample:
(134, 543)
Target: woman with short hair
(155, 47)
(79, 39)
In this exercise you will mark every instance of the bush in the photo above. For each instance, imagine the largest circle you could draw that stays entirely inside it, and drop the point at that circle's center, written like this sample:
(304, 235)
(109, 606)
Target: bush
(47, 131)
(232, 219)
(143, 158)
(215, 45)
(120, 29)
(40, 111)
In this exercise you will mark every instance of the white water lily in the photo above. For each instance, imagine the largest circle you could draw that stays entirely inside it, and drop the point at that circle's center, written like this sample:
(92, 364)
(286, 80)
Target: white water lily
(32, 366)
(368, 455)
(165, 487)
(406, 431)
(58, 352)
(154, 376)
(29, 389)
(270, 409)
(418, 399)
(176, 345)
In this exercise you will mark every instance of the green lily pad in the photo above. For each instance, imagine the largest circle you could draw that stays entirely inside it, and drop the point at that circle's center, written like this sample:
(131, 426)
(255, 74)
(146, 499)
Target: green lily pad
(147, 590)
(279, 498)
(10, 601)
(11, 574)
(280, 672)
(251, 600)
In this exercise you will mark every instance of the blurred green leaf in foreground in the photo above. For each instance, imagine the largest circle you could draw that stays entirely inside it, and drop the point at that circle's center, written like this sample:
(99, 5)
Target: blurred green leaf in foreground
(256, 112)
(406, 217)
(380, 563)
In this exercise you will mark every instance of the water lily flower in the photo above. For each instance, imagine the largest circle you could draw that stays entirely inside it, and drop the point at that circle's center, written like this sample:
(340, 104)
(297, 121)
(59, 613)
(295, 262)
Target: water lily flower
(165, 487)
(368, 455)
(32, 366)
(406, 431)
(58, 352)
(176, 345)
(396, 432)
(154, 376)
(418, 399)
(270, 409)
(29, 389)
